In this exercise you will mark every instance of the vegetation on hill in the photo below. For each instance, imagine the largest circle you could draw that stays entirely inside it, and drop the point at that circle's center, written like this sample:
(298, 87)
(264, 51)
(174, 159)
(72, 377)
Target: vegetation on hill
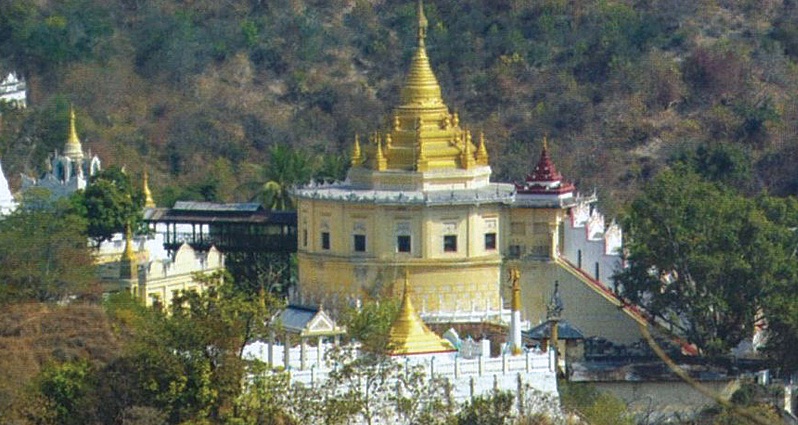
(199, 92)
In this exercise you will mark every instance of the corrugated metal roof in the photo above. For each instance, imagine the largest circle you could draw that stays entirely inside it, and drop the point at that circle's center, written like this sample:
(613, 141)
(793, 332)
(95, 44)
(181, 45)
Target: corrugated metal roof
(210, 206)
(564, 329)
(296, 319)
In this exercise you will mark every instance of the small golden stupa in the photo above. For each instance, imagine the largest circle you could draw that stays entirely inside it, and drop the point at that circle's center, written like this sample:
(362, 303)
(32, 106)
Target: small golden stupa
(409, 334)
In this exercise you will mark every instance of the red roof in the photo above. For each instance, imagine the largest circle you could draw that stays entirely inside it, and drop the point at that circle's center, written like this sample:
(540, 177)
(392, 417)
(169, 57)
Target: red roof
(545, 179)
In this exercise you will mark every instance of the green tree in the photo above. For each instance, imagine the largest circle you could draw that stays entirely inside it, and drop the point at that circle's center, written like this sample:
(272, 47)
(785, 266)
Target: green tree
(110, 202)
(701, 257)
(493, 409)
(187, 362)
(287, 167)
(44, 252)
(66, 387)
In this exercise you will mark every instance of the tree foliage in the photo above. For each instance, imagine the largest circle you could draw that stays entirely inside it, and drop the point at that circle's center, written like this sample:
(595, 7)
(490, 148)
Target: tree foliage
(110, 202)
(704, 258)
(44, 252)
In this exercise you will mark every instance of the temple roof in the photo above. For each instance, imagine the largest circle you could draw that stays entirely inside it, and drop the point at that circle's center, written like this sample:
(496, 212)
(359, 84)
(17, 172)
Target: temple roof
(565, 331)
(423, 134)
(409, 334)
(545, 179)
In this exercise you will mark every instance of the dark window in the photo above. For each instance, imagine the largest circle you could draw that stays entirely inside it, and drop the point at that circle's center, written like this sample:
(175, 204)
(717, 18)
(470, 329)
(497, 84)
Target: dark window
(490, 241)
(360, 243)
(515, 251)
(598, 272)
(579, 259)
(403, 243)
(325, 240)
(304, 237)
(450, 243)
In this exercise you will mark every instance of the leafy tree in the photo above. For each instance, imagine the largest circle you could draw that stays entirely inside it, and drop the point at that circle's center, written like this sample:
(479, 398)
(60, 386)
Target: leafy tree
(493, 409)
(596, 407)
(187, 363)
(370, 323)
(287, 167)
(701, 257)
(110, 202)
(66, 387)
(44, 252)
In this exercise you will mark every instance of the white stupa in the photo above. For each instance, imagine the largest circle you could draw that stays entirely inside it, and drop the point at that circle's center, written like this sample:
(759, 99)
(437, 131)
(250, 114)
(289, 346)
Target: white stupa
(7, 202)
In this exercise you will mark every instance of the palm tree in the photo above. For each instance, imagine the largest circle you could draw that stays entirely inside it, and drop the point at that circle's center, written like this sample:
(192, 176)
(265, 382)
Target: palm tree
(287, 167)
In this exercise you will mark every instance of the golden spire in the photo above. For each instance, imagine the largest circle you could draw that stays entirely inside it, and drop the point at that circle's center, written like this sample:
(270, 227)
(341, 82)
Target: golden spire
(515, 301)
(467, 160)
(357, 156)
(482, 151)
(73, 148)
(409, 334)
(380, 163)
(148, 201)
(127, 264)
(421, 87)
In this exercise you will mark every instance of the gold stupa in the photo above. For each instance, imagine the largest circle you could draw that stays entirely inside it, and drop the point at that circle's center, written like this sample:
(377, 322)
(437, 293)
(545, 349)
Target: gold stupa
(409, 334)
(423, 135)
(73, 149)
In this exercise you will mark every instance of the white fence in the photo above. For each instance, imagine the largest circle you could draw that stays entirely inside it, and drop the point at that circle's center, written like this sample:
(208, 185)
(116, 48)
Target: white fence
(468, 377)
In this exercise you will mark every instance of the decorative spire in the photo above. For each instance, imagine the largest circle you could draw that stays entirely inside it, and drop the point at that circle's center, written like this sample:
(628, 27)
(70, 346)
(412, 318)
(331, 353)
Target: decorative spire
(545, 171)
(128, 269)
(381, 163)
(421, 87)
(148, 201)
(555, 307)
(545, 179)
(467, 159)
(357, 156)
(422, 24)
(515, 286)
(73, 148)
(482, 150)
(409, 334)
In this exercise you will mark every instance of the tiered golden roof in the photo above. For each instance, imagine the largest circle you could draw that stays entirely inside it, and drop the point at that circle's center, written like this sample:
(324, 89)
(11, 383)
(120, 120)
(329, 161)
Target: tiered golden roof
(73, 148)
(409, 334)
(424, 135)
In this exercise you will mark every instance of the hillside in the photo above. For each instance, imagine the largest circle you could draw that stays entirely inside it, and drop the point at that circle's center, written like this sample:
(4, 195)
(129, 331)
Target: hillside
(198, 91)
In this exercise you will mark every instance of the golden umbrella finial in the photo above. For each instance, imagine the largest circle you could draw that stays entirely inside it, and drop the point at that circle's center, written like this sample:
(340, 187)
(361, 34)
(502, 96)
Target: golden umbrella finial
(422, 24)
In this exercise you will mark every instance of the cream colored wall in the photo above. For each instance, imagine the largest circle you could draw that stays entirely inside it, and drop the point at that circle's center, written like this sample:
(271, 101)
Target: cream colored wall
(530, 228)
(583, 307)
(439, 280)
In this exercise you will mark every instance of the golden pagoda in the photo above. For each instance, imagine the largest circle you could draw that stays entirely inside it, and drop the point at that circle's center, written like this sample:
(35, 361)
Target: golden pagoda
(418, 197)
(73, 149)
(409, 334)
(424, 134)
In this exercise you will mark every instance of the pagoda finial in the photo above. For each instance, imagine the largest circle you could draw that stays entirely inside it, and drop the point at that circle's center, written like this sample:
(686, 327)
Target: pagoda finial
(381, 163)
(545, 142)
(357, 156)
(73, 148)
(421, 87)
(482, 150)
(422, 24)
(127, 264)
(148, 201)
